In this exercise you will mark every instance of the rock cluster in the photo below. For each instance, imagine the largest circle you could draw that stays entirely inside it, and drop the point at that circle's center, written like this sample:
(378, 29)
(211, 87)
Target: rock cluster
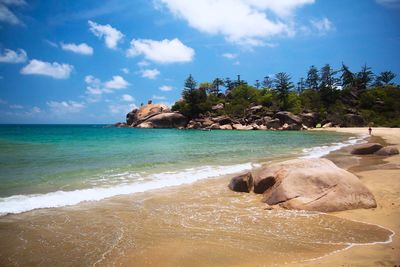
(374, 148)
(257, 120)
(305, 184)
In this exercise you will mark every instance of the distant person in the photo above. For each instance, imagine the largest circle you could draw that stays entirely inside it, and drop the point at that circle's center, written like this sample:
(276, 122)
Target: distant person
(370, 130)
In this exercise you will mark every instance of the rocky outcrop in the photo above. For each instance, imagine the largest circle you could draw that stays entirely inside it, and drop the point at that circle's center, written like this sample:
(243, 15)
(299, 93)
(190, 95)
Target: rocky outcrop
(288, 117)
(155, 116)
(166, 120)
(316, 184)
(309, 119)
(242, 183)
(239, 126)
(367, 148)
(387, 151)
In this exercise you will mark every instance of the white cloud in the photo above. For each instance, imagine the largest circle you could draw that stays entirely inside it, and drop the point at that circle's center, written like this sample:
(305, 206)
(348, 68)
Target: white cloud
(111, 35)
(95, 88)
(166, 88)
(236, 63)
(323, 25)
(229, 55)
(35, 110)
(82, 48)
(127, 98)
(6, 15)
(55, 70)
(14, 106)
(389, 3)
(243, 22)
(165, 51)
(121, 109)
(11, 56)
(150, 73)
(117, 82)
(65, 106)
(157, 97)
(125, 70)
(143, 63)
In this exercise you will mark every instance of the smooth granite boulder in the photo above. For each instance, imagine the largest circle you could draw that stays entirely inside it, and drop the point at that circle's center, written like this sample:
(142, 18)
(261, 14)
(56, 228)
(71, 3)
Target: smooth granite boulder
(288, 117)
(367, 148)
(167, 120)
(312, 184)
(242, 183)
(387, 151)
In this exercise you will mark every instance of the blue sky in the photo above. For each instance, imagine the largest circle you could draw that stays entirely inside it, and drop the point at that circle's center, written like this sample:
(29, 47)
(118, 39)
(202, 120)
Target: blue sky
(89, 61)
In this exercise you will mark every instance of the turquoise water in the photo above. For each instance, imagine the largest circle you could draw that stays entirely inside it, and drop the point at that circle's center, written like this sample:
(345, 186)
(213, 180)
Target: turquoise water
(42, 160)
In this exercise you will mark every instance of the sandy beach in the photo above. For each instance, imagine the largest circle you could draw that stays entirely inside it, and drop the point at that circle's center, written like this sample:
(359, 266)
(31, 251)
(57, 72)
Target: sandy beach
(382, 176)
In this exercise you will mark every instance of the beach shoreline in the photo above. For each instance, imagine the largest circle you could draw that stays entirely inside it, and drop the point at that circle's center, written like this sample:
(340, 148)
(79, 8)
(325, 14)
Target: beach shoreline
(382, 176)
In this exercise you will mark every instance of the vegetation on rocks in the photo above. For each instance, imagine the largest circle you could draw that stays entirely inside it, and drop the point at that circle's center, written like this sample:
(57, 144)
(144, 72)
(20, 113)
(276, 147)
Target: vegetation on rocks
(340, 97)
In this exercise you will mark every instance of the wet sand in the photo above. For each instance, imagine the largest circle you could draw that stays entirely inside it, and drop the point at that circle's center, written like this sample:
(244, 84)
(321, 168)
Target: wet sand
(382, 176)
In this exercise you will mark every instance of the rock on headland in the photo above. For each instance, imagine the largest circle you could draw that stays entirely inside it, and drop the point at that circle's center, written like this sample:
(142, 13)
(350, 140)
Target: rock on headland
(155, 116)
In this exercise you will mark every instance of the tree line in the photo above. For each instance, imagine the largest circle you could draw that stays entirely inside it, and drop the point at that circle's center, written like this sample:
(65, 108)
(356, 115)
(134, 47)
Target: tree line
(325, 91)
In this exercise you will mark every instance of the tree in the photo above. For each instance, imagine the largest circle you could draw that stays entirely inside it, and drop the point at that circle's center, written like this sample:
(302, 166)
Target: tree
(385, 77)
(282, 86)
(347, 77)
(228, 84)
(257, 84)
(312, 78)
(364, 78)
(192, 98)
(215, 86)
(301, 85)
(267, 82)
(327, 87)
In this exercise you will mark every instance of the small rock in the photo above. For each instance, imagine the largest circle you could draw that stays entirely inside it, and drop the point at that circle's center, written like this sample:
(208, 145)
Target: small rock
(367, 148)
(242, 183)
(387, 151)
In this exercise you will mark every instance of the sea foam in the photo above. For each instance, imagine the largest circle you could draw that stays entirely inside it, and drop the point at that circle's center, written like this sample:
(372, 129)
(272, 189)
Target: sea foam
(320, 151)
(22, 203)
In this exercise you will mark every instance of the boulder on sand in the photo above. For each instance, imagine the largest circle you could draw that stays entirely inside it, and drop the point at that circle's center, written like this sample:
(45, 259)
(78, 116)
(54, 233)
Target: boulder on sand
(312, 184)
(387, 151)
(242, 183)
(367, 148)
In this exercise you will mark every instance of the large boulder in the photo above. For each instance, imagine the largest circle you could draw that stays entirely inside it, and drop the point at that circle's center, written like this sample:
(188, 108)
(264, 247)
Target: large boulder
(309, 119)
(222, 120)
(273, 124)
(242, 183)
(146, 111)
(312, 184)
(137, 116)
(226, 127)
(367, 148)
(288, 117)
(167, 120)
(238, 126)
(387, 151)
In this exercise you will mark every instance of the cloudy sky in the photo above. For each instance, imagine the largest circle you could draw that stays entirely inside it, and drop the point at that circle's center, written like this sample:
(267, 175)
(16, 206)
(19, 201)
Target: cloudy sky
(91, 61)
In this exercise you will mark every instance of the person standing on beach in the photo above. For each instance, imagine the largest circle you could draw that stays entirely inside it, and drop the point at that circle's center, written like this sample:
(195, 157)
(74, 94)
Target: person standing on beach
(370, 130)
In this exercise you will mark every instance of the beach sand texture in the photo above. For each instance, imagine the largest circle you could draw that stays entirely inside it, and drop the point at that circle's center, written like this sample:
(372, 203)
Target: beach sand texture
(384, 182)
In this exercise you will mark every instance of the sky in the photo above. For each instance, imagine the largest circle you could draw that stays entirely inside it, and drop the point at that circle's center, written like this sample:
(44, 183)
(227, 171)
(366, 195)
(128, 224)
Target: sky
(92, 61)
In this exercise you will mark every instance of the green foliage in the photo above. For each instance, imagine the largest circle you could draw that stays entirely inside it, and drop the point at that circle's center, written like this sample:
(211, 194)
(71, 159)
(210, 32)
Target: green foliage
(318, 93)
(282, 86)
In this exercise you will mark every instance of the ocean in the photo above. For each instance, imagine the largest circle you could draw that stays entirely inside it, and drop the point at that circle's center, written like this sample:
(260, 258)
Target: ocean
(57, 165)
(86, 195)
